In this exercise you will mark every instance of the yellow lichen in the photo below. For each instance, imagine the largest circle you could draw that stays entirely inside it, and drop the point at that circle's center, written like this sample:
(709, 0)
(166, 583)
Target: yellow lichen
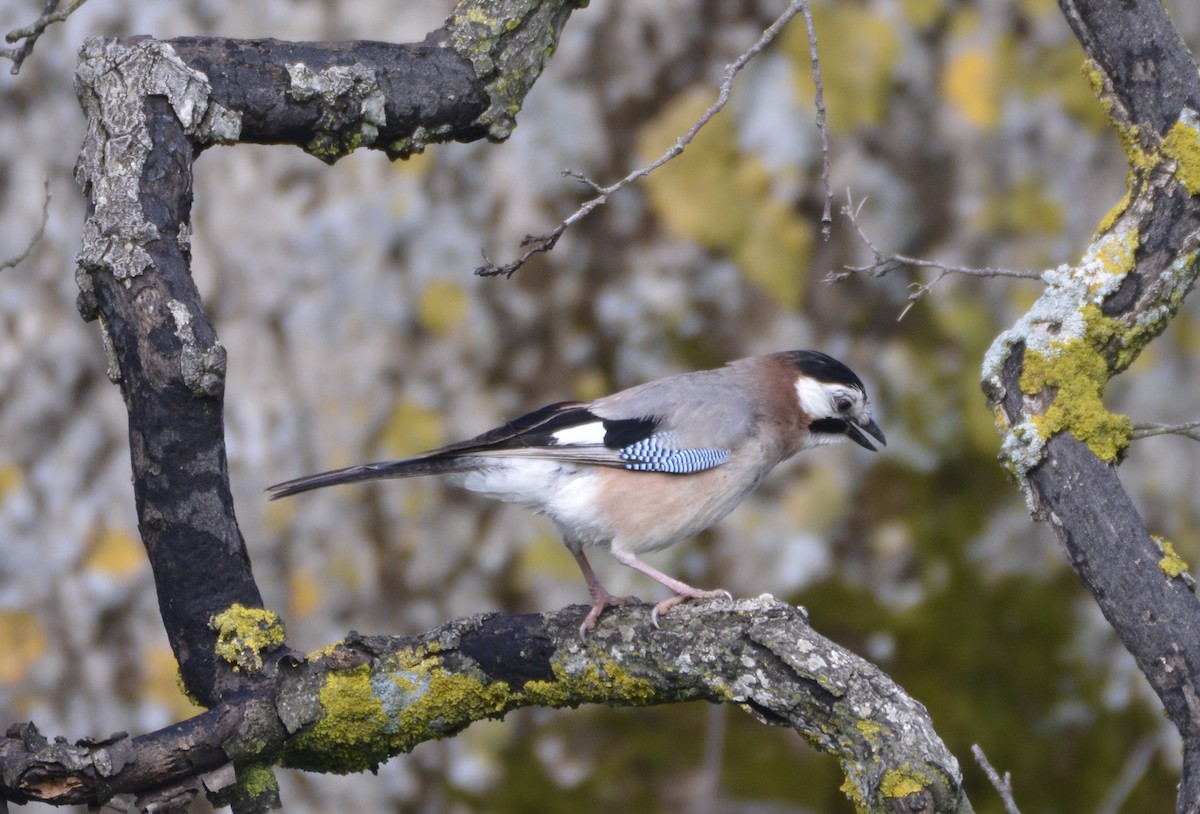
(869, 728)
(1077, 373)
(1171, 563)
(1182, 144)
(606, 681)
(901, 783)
(244, 633)
(1106, 223)
(349, 737)
(1129, 135)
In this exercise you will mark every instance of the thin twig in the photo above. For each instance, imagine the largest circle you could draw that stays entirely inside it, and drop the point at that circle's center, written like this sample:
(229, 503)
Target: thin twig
(31, 32)
(543, 243)
(1190, 429)
(1003, 785)
(33, 241)
(885, 262)
(822, 124)
(1136, 765)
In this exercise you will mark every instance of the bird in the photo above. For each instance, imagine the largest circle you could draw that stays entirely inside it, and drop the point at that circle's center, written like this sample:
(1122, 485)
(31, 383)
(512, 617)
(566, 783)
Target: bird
(647, 467)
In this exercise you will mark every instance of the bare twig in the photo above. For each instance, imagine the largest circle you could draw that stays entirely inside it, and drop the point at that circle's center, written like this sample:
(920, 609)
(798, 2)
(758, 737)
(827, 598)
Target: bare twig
(31, 32)
(822, 124)
(885, 262)
(1003, 785)
(537, 244)
(1136, 765)
(1190, 429)
(41, 230)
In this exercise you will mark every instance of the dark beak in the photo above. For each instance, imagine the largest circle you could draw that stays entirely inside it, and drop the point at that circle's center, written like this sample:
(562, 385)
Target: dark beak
(858, 434)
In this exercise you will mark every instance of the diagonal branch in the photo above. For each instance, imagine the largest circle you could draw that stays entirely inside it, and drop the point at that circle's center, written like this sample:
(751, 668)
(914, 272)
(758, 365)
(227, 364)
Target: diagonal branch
(539, 244)
(16, 260)
(34, 30)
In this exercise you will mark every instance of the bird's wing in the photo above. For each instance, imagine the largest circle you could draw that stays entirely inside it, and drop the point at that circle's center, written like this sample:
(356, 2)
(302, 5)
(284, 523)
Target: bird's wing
(632, 435)
(575, 432)
(709, 409)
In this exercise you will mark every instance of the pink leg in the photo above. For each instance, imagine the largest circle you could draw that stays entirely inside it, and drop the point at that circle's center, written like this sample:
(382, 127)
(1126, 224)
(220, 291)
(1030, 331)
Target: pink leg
(601, 598)
(683, 591)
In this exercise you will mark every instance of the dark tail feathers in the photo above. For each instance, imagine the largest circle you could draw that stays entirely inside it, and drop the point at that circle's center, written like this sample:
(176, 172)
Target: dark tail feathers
(382, 470)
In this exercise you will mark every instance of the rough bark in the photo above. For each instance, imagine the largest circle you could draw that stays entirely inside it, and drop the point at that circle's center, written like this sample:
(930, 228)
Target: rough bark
(372, 697)
(1047, 374)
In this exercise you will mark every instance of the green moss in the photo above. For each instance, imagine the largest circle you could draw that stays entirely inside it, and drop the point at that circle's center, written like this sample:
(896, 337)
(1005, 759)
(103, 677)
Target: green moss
(244, 633)
(257, 780)
(1171, 563)
(1182, 143)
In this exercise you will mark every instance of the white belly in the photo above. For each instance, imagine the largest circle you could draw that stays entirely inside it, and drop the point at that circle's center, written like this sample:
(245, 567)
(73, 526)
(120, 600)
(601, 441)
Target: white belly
(564, 492)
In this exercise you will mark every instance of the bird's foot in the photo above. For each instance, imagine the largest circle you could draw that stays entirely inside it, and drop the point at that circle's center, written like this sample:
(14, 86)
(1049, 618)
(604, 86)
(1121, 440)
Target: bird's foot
(684, 596)
(602, 599)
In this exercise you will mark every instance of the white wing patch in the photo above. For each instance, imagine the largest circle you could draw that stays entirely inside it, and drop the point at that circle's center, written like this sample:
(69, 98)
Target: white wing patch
(590, 434)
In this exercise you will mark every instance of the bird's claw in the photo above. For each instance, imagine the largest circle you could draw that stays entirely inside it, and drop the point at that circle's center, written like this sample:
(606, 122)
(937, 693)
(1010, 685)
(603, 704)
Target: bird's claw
(672, 601)
(601, 601)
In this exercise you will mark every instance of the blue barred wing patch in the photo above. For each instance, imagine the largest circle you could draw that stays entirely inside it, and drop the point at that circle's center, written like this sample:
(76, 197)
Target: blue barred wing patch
(656, 454)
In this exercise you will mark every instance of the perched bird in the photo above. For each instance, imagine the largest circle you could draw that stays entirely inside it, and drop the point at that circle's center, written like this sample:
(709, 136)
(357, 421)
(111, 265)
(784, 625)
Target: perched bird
(649, 466)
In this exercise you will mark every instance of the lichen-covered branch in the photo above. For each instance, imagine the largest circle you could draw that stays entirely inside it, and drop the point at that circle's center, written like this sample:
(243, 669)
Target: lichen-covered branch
(152, 107)
(353, 705)
(1045, 377)
(508, 43)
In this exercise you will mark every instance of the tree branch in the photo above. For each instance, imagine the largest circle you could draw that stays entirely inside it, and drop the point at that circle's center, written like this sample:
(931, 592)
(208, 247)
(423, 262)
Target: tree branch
(34, 30)
(1003, 785)
(13, 262)
(1046, 375)
(886, 262)
(539, 244)
(372, 697)
(1190, 429)
(152, 107)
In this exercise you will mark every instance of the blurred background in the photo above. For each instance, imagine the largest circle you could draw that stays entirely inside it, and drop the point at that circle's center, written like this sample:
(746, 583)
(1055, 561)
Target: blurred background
(356, 331)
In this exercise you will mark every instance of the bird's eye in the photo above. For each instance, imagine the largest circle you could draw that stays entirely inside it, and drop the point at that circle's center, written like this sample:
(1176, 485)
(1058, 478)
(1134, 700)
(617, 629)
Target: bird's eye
(843, 404)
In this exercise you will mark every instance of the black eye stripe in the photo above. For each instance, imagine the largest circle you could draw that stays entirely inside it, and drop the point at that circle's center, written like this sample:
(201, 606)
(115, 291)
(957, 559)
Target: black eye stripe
(828, 425)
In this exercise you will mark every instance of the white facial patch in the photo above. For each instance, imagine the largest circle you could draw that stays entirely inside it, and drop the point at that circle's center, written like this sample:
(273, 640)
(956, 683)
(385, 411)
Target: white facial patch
(590, 434)
(821, 400)
(815, 398)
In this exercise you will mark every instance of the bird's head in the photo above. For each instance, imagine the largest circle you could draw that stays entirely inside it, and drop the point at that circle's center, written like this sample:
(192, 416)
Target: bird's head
(833, 400)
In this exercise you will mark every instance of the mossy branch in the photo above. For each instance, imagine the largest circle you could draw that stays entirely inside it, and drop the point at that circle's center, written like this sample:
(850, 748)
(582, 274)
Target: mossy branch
(355, 704)
(1045, 377)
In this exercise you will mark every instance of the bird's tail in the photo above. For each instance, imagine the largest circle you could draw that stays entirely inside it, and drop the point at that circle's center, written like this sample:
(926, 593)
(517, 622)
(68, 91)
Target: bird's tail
(382, 470)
